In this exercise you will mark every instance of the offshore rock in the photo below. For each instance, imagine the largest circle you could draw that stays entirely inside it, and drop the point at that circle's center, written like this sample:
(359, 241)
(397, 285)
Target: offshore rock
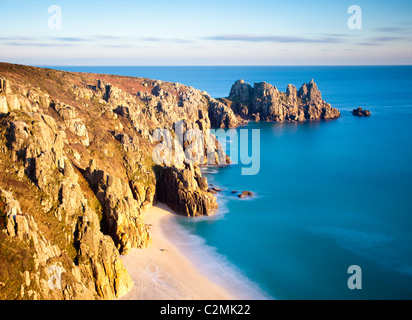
(265, 102)
(359, 112)
(245, 194)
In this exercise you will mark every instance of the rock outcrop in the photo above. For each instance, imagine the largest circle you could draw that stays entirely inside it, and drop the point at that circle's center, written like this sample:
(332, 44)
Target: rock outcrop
(38, 146)
(122, 218)
(185, 191)
(222, 116)
(72, 121)
(4, 86)
(98, 273)
(265, 102)
(359, 112)
(245, 194)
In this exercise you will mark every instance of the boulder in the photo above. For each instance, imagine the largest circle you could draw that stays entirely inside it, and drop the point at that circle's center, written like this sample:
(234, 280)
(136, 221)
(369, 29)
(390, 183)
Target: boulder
(245, 194)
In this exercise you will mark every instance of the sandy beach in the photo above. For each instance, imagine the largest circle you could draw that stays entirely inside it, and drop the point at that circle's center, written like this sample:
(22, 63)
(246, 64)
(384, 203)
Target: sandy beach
(163, 271)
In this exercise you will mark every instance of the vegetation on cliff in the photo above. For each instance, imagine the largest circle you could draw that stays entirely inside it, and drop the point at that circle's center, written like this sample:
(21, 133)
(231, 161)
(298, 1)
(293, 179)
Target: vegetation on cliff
(77, 173)
(77, 170)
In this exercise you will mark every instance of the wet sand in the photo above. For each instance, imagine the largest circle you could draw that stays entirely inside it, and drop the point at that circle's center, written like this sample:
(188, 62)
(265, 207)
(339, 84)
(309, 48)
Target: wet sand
(163, 271)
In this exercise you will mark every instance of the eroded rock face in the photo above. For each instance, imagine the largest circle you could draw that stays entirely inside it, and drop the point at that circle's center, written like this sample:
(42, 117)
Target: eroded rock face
(185, 191)
(265, 102)
(72, 120)
(4, 86)
(222, 116)
(24, 100)
(38, 144)
(99, 261)
(99, 272)
(122, 218)
(242, 92)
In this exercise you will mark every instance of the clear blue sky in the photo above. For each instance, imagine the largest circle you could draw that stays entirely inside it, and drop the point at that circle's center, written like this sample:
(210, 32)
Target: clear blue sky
(180, 32)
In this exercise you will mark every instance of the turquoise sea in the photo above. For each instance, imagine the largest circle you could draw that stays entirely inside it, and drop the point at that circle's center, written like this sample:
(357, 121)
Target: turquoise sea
(329, 194)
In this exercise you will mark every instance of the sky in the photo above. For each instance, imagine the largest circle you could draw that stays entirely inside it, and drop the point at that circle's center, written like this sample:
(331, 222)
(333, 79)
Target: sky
(180, 32)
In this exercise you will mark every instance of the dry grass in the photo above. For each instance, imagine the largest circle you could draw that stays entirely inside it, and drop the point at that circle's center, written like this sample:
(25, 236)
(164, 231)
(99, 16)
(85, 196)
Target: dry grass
(15, 258)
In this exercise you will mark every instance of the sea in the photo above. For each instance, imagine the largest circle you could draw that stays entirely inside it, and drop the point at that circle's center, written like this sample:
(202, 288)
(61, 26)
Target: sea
(329, 195)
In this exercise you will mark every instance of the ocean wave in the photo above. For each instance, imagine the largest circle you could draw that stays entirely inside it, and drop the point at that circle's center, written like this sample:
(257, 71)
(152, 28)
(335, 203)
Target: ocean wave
(208, 170)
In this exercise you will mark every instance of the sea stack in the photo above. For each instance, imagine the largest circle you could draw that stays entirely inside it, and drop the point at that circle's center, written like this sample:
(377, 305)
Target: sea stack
(264, 102)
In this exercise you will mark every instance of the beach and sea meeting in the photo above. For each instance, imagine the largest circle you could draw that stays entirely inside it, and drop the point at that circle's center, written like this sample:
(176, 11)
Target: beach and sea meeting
(156, 167)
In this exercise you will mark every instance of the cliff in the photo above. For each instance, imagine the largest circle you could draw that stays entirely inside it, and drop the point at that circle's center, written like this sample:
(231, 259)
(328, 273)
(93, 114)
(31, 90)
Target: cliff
(264, 102)
(77, 173)
(78, 169)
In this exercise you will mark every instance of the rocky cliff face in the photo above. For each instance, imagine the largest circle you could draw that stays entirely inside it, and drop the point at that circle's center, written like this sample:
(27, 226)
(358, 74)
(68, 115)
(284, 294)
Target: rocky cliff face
(77, 173)
(264, 102)
(185, 191)
(121, 219)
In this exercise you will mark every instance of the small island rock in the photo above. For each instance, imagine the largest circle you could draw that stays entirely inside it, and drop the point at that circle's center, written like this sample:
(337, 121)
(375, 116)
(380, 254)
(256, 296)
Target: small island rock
(245, 194)
(359, 112)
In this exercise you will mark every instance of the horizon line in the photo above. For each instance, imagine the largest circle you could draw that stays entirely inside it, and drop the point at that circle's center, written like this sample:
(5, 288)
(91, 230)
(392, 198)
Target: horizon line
(219, 65)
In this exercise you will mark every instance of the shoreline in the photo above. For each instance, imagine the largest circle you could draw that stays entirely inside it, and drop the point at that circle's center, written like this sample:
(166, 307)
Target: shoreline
(163, 271)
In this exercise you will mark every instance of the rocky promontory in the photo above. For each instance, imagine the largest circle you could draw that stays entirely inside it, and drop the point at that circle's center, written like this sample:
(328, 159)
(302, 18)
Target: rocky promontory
(265, 102)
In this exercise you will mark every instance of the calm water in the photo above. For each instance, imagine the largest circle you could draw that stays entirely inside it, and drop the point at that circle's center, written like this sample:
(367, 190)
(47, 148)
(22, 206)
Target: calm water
(329, 194)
